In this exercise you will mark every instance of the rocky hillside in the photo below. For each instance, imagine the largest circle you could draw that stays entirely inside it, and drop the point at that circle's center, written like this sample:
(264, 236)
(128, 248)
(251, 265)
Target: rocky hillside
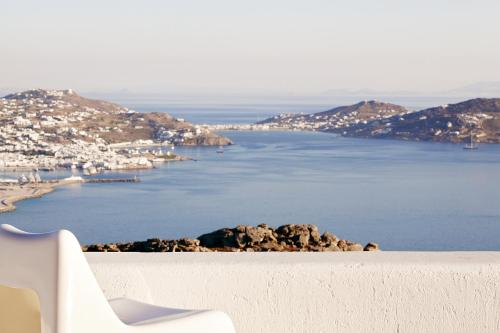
(478, 117)
(61, 116)
(287, 238)
(337, 118)
(366, 110)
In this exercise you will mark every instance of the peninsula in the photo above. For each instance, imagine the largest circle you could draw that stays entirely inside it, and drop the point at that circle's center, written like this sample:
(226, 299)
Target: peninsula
(14, 190)
(48, 129)
(478, 118)
(11, 193)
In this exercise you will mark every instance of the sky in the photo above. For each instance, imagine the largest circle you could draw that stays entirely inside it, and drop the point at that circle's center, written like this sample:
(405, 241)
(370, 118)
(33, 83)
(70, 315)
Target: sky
(255, 47)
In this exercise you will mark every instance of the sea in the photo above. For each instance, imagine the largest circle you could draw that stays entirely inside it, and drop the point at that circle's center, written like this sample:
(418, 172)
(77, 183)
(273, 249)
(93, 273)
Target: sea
(417, 196)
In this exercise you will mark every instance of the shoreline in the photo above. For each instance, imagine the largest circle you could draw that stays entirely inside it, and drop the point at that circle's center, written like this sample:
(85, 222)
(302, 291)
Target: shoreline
(360, 137)
(19, 193)
(248, 128)
(10, 193)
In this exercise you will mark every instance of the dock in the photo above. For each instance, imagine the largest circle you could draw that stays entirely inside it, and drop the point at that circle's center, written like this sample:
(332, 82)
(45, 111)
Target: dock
(113, 180)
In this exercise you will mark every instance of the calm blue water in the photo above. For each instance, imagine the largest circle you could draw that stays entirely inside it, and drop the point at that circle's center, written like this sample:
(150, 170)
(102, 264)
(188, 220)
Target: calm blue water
(223, 113)
(403, 195)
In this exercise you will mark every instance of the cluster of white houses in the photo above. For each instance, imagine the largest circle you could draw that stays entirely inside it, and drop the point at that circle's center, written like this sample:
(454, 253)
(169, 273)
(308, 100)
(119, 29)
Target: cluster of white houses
(79, 155)
(39, 129)
(327, 121)
(383, 119)
(237, 127)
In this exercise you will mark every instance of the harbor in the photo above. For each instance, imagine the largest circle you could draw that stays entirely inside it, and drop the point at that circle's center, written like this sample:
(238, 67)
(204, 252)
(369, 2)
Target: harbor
(12, 191)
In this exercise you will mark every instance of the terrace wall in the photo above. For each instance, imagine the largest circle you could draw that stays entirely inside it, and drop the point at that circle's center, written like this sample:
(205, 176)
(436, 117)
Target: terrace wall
(317, 292)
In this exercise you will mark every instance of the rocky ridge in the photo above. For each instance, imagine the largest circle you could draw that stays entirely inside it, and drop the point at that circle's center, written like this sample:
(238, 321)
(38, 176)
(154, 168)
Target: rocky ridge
(263, 238)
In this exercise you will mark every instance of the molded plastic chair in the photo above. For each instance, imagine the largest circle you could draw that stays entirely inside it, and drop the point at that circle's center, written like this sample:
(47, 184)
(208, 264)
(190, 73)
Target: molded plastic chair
(71, 301)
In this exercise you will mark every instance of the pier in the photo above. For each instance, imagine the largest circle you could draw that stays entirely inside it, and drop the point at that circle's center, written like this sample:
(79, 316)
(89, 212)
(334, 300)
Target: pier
(113, 180)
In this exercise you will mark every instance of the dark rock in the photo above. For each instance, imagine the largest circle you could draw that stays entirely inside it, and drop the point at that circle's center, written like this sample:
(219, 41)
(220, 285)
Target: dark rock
(371, 247)
(331, 248)
(314, 234)
(342, 244)
(270, 247)
(297, 234)
(220, 238)
(329, 238)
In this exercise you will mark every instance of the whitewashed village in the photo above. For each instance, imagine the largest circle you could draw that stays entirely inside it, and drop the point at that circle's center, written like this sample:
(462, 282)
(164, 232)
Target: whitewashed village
(337, 118)
(50, 129)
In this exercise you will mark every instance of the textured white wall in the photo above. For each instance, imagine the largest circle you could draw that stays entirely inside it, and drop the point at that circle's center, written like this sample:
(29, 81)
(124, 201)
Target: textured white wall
(317, 292)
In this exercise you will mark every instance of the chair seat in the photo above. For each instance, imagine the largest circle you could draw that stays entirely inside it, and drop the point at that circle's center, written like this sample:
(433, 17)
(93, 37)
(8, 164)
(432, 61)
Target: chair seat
(136, 313)
(133, 312)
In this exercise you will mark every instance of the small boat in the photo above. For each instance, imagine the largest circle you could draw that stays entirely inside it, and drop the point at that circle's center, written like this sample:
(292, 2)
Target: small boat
(220, 150)
(471, 145)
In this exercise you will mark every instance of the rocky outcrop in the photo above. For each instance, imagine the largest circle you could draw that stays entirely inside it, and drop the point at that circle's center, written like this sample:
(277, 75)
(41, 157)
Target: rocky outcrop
(371, 247)
(150, 245)
(262, 238)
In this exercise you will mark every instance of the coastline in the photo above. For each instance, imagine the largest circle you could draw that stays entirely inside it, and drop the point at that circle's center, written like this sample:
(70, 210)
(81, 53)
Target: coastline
(265, 128)
(10, 194)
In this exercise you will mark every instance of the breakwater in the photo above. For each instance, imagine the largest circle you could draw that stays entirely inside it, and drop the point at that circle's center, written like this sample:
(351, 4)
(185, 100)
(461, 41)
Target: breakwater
(113, 180)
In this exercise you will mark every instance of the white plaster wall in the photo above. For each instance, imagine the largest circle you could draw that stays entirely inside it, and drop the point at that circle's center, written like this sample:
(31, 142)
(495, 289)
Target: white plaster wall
(317, 292)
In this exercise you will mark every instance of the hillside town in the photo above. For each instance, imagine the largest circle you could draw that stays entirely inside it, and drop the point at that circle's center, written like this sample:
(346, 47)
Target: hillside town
(337, 118)
(49, 129)
(241, 127)
(477, 119)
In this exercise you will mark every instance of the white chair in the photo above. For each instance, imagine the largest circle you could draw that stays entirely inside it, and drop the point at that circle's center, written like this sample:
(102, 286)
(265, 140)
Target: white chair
(53, 267)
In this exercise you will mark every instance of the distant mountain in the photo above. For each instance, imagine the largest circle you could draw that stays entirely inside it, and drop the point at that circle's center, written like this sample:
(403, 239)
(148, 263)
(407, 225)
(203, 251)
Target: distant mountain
(479, 117)
(370, 93)
(480, 89)
(487, 89)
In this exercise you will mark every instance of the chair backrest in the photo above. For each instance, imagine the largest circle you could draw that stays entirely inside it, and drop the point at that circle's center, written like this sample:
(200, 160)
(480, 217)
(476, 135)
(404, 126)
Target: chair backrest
(54, 267)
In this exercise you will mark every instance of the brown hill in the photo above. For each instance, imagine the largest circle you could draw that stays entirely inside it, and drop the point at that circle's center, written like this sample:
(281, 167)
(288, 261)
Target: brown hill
(478, 117)
(365, 110)
(65, 115)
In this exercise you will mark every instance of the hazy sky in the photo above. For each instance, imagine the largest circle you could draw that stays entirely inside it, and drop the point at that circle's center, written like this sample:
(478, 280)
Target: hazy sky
(254, 46)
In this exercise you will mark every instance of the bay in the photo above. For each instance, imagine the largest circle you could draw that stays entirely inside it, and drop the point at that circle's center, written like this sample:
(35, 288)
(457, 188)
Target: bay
(402, 195)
